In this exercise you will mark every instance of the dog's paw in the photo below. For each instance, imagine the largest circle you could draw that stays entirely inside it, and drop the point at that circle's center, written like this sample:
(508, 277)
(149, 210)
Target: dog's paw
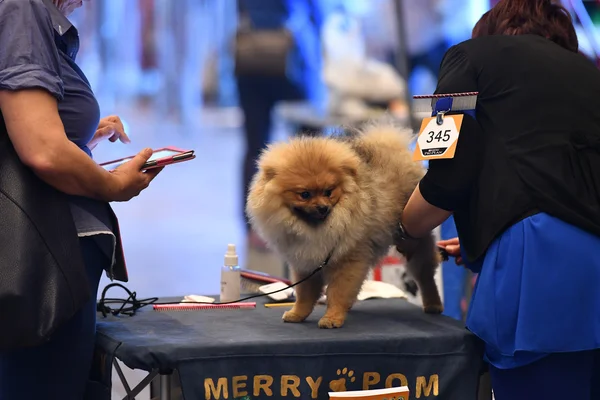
(291, 316)
(330, 323)
(433, 309)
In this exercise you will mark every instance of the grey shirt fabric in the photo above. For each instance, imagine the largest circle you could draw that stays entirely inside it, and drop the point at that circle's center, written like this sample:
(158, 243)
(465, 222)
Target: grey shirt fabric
(38, 47)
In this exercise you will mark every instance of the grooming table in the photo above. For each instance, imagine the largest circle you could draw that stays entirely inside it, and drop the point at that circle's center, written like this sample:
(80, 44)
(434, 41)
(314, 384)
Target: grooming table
(252, 354)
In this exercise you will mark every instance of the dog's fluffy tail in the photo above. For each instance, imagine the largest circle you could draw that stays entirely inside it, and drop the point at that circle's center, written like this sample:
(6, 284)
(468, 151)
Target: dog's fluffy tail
(386, 135)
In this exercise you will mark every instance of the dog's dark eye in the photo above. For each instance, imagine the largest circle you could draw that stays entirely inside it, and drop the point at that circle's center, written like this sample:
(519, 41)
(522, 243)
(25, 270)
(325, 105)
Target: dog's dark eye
(327, 193)
(305, 195)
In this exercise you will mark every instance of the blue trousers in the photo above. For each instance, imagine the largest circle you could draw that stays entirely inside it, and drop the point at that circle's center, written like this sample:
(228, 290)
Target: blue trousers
(58, 369)
(573, 376)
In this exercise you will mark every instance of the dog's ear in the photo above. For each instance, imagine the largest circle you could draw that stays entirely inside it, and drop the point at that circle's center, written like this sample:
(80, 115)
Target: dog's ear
(269, 173)
(350, 169)
(350, 166)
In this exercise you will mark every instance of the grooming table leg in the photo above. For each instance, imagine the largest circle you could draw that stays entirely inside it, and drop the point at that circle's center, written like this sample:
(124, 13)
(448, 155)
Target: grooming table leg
(165, 387)
(122, 377)
(131, 393)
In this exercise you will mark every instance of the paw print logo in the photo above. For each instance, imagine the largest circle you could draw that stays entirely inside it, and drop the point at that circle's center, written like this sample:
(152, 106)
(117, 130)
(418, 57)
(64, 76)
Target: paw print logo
(339, 385)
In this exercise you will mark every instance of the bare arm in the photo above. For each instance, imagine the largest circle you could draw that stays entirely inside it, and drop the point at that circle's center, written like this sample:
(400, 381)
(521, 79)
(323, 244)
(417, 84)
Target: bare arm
(30, 84)
(420, 217)
(37, 133)
(448, 184)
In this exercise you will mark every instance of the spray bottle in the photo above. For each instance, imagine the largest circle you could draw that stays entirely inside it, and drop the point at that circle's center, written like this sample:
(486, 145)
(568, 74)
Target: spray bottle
(230, 276)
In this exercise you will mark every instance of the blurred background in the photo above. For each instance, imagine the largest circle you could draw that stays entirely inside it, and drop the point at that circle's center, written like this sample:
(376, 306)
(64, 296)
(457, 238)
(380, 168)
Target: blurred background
(187, 73)
(168, 69)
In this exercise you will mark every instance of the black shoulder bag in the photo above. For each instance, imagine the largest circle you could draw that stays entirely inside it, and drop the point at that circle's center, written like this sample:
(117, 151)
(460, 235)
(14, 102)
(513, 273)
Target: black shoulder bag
(42, 274)
(261, 52)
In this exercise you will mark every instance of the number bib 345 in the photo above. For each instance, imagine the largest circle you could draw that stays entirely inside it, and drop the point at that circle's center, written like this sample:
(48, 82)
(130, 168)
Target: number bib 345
(438, 141)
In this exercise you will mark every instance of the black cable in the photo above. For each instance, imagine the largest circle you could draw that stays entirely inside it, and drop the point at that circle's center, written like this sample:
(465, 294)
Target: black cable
(131, 304)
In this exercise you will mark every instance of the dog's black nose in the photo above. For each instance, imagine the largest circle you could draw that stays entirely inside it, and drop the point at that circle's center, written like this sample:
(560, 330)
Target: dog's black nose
(323, 210)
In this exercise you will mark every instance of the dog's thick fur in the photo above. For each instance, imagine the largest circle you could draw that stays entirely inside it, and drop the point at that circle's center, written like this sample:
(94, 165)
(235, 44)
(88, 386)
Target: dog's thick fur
(316, 196)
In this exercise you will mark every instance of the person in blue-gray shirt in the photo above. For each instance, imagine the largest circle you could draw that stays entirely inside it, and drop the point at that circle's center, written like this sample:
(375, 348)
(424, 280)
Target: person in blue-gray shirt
(53, 121)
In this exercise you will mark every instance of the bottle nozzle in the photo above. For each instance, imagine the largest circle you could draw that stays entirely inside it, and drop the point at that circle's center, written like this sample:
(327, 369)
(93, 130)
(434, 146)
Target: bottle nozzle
(231, 257)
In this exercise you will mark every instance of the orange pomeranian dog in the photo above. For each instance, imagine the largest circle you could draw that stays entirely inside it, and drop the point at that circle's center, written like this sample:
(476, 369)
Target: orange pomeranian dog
(339, 199)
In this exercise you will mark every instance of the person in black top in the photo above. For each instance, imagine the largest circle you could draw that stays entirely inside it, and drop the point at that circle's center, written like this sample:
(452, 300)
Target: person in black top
(524, 189)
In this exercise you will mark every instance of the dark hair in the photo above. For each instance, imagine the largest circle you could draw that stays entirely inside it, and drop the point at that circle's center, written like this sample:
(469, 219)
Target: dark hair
(522, 17)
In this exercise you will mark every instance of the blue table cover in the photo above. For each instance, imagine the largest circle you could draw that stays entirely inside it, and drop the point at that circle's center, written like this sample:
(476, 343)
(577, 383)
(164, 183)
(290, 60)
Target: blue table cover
(252, 354)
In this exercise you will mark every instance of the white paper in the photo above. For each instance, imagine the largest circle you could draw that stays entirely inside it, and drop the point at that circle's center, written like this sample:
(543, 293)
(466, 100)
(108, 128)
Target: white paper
(279, 296)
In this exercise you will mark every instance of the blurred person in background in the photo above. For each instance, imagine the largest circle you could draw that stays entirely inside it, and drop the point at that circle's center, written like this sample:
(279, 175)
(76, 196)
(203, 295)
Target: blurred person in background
(524, 189)
(52, 120)
(426, 42)
(290, 29)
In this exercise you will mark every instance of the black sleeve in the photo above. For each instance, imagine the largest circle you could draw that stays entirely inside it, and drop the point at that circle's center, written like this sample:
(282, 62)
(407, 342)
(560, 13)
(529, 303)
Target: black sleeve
(448, 182)
(457, 75)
